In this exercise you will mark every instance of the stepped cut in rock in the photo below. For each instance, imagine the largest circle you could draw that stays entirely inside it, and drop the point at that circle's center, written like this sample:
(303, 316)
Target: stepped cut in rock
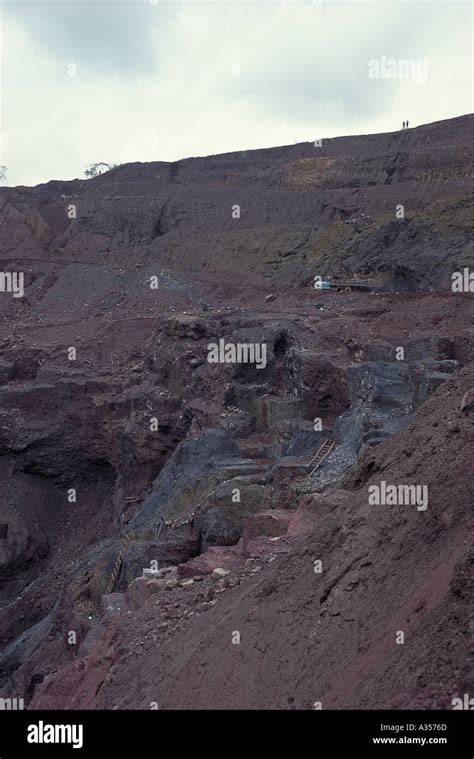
(224, 487)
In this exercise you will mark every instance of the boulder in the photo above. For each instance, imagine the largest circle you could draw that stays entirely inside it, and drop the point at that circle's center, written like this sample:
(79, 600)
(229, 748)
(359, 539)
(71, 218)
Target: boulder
(220, 572)
(141, 589)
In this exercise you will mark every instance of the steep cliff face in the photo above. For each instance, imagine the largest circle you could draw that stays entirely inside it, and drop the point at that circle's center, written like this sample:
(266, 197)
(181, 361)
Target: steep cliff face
(115, 423)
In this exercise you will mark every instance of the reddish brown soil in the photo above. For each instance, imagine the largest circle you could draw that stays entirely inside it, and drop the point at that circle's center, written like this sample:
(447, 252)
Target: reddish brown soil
(304, 637)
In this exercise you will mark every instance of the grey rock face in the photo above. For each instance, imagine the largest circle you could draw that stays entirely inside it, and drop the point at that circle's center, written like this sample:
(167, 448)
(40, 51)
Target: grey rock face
(220, 521)
(381, 384)
(192, 461)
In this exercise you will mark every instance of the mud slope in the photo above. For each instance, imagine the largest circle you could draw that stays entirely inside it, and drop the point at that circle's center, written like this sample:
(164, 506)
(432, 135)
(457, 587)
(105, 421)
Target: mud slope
(329, 637)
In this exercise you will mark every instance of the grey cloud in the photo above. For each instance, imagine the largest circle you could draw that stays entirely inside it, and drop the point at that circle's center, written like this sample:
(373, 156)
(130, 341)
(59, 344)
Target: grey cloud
(290, 80)
(104, 37)
(299, 77)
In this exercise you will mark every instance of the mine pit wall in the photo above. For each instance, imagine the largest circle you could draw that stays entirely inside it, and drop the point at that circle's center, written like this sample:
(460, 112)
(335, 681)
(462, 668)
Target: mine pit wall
(99, 443)
(362, 404)
(371, 389)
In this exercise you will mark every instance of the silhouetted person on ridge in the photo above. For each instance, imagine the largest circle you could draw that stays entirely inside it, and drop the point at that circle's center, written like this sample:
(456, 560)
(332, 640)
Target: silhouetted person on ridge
(404, 125)
(407, 124)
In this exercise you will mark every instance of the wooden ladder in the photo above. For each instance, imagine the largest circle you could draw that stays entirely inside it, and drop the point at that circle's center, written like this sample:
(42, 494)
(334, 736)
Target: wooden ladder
(118, 562)
(321, 454)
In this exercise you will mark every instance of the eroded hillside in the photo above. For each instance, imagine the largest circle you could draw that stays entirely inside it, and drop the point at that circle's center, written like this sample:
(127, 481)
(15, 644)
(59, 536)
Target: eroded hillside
(117, 431)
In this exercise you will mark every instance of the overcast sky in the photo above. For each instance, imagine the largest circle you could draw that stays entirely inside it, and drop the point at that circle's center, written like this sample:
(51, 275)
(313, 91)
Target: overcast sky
(158, 80)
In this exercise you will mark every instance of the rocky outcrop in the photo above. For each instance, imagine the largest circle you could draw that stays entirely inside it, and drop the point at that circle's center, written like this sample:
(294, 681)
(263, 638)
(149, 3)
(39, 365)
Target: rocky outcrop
(220, 518)
(189, 468)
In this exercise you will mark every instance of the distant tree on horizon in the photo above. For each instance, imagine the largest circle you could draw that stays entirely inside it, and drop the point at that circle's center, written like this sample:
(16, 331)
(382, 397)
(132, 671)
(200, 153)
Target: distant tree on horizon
(94, 169)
